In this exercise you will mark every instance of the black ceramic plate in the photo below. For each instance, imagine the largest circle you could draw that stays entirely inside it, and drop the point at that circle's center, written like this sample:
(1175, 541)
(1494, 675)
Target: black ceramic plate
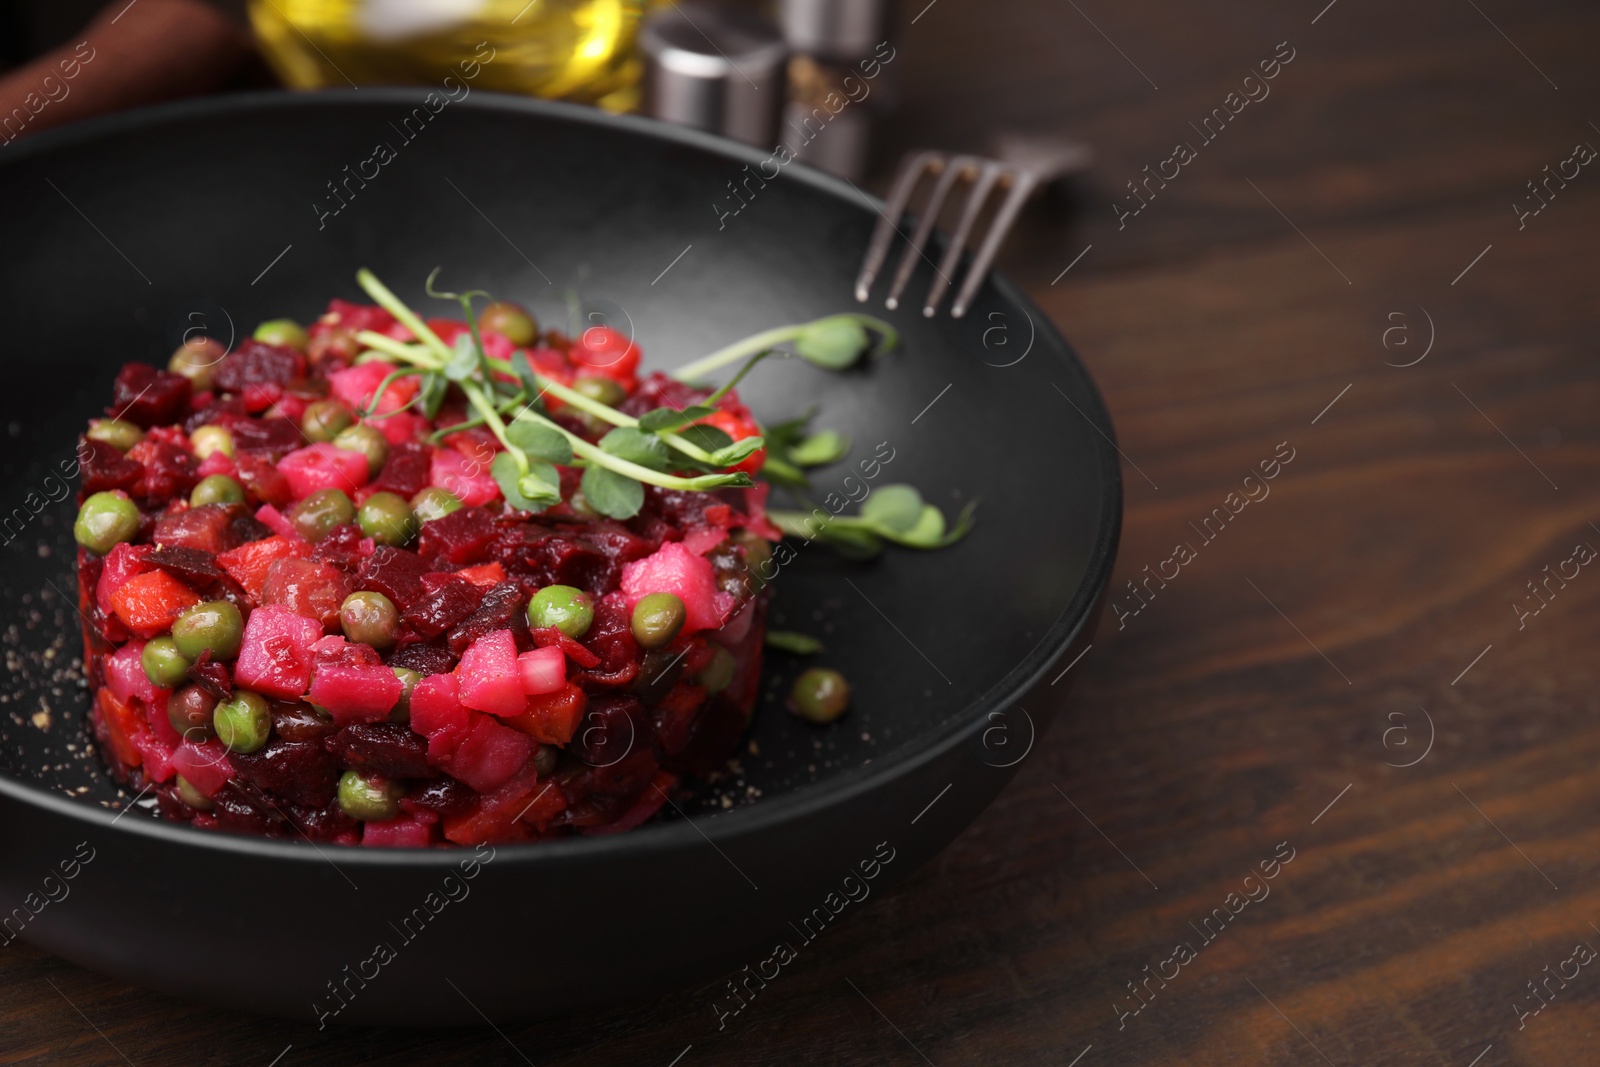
(123, 233)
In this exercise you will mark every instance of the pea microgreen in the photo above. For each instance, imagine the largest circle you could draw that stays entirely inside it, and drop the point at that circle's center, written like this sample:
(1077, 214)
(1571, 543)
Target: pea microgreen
(895, 513)
(795, 643)
(668, 447)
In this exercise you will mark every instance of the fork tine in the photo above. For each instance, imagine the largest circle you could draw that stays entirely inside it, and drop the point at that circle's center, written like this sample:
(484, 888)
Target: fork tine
(987, 177)
(991, 243)
(878, 247)
(953, 171)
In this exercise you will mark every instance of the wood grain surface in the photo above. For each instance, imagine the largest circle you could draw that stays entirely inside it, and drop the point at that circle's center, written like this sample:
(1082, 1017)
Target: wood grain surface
(1351, 673)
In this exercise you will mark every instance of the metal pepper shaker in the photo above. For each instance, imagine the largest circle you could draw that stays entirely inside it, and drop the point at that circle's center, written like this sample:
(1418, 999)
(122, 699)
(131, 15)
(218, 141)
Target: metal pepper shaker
(715, 68)
(839, 52)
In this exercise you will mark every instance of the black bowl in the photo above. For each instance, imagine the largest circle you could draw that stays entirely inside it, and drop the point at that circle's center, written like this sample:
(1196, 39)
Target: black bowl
(124, 233)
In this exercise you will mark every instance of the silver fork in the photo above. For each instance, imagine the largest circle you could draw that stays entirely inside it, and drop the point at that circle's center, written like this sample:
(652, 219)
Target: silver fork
(1025, 163)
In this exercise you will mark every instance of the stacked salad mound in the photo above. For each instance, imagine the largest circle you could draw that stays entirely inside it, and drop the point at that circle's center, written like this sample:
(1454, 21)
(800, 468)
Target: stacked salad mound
(407, 582)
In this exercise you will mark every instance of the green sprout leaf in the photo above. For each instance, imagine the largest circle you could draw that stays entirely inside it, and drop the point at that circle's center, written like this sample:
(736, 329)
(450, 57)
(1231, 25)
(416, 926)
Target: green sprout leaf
(534, 491)
(707, 437)
(645, 449)
(834, 343)
(661, 420)
(820, 449)
(738, 451)
(538, 439)
(434, 389)
(612, 494)
(463, 359)
(896, 509)
(790, 641)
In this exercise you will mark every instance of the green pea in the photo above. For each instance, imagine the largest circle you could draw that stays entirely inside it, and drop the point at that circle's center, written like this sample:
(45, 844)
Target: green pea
(189, 710)
(196, 359)
(819, 695)
(545, 758)
(581, 507)
(214, 626)
(369, 442)
(370, 798)
(106, 520)
(757, 556)
(208, 439)
(387, 519)
(217, 489)
(511, 321)
(243, 723)
(370, 618)
(434, 503)
(284, 332)
(324, 420)
(401, 712)
(567, 609)
(718, 674)
(164, 663)
(191, 796)
(657, 618)
(316, 516)
(604, 390)
(117, 433)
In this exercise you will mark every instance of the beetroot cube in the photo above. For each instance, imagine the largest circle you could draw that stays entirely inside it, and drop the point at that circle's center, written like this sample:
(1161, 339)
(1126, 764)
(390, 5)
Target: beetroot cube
(447, 601)
(355, 692)
(462, 537)
(442, 796)
(436, 713)
(344, 546)
(408, 831)
(125, 675)
(392, 749)
(275, 659)
(503, 607)
(431, 657)
(395, 573)
(169, 470)
(148, 397)
(297, 772)
(673, 569)
(488, 675)
(101, 467)
(543, 670)
(157, 753)
(206, 766)
(406, 470)
(209, 528)
(254, 363)
(490, 754)
(322, 466)
(193, 566)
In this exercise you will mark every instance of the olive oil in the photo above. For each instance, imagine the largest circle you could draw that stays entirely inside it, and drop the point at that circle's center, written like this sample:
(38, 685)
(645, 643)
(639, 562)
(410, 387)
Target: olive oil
(579, 50)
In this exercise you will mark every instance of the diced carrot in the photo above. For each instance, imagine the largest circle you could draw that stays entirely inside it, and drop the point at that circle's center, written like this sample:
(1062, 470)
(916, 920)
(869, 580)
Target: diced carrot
(548, 802)
(148, 603)
(552, 718)
(248, 563)
(122, 720)
(484, 575)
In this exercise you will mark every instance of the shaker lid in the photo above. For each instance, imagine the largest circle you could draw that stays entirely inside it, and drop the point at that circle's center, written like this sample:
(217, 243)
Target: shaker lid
(840, 29)
(714, 68)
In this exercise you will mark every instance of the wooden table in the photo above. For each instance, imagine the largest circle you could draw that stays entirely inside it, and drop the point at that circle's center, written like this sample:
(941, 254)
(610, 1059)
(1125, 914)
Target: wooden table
(1345, 674)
